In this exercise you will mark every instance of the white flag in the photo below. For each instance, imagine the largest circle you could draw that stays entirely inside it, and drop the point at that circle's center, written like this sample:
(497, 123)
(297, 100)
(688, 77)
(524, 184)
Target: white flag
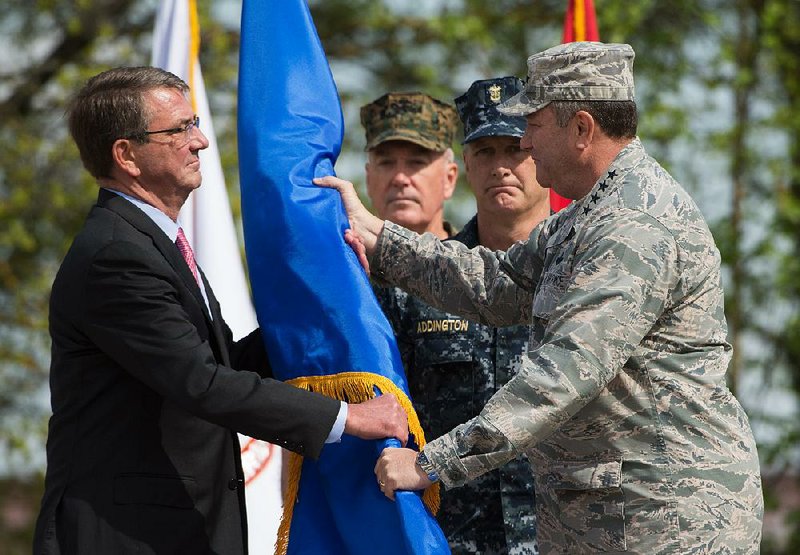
(208, 223)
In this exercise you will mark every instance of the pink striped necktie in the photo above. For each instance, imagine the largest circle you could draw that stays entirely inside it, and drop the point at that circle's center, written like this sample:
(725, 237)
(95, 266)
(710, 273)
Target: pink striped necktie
(186, 252)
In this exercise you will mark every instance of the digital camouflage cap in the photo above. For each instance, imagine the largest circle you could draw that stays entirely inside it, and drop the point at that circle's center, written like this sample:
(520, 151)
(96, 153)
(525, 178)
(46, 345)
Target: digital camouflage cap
(477, 109)
(414, 117)
(575, 71)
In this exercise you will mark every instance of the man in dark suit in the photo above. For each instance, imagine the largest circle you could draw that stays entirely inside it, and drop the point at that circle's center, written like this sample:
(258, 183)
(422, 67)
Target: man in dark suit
(148, 389)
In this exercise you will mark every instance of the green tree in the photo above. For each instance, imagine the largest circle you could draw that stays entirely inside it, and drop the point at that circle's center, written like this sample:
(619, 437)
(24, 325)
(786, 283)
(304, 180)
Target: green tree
(782, 42)
(43, 191)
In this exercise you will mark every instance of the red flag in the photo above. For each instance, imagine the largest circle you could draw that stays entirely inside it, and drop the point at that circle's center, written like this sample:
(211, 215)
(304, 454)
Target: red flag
(580, 24)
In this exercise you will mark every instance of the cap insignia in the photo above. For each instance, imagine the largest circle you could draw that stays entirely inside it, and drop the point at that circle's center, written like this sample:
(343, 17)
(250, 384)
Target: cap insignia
(494, 93)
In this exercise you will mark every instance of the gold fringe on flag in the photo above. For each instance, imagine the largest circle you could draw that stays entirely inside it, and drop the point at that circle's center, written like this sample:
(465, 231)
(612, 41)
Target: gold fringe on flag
(352, 387)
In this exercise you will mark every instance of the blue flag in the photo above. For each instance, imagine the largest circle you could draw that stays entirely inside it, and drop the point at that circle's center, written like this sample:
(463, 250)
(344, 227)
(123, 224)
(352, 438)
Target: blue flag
(323, 328)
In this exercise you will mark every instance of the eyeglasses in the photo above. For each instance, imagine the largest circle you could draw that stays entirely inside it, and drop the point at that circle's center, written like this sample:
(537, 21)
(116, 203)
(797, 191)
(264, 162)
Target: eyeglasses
(175, 130)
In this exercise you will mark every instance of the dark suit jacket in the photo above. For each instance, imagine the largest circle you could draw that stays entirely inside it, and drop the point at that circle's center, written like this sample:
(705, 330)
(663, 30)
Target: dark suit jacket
(147, 394)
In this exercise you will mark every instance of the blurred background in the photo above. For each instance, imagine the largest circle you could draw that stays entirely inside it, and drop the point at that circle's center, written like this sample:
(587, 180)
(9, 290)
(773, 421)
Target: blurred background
(718, 88)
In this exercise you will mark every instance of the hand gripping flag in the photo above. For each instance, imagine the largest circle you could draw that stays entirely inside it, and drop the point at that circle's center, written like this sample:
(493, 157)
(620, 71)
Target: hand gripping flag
(580, 24)
(323, 328)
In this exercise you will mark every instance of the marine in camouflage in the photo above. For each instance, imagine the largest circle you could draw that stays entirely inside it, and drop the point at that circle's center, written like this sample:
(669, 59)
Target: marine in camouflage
(621, 405)
(453, 367)
(413, 117)
(575, 71)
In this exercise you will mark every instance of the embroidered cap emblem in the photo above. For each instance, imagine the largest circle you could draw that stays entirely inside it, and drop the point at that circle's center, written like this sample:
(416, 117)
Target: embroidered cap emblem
(494, 93)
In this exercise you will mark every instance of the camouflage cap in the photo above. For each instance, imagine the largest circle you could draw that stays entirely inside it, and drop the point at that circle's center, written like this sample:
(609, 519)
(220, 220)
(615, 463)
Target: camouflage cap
(413, 117)
(575, 71)
(477, 109)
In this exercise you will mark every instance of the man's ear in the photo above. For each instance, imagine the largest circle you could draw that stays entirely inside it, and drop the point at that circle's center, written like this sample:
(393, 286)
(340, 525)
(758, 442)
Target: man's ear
(464, 157)
(368, 179)
(124, 157)
(451, 178)
(584, 128)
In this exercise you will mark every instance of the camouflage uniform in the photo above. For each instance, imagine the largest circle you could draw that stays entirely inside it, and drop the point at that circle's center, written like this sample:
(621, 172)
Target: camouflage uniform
(637, 445)
(453, 367)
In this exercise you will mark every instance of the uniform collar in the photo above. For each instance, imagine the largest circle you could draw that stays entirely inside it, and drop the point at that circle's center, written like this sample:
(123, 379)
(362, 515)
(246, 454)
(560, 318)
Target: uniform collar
(628, 157)
(469, 233)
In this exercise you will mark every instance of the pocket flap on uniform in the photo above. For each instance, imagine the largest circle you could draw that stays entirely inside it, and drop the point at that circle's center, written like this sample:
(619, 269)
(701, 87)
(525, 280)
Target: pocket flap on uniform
(550, 289)
(585, 475)
(429, 350)
(150, 489)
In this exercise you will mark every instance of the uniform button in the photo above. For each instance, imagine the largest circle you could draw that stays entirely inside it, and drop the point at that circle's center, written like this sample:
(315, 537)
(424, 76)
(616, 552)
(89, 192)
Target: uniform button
(235, 483)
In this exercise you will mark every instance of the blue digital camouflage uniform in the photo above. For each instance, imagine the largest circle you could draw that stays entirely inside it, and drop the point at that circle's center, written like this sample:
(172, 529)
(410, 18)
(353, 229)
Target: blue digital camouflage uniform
(636, 443)
(453, 367)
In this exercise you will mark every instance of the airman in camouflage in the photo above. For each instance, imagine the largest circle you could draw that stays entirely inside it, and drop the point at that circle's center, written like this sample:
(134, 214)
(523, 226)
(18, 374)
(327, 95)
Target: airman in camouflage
(636, 443)
(454, 366)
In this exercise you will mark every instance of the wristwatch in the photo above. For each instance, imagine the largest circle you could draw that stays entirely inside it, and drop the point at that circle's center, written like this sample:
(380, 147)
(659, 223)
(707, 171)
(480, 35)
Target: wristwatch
(427, 467)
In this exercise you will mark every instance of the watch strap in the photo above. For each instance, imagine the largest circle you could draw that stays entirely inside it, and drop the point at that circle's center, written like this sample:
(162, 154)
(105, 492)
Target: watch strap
(427, 467)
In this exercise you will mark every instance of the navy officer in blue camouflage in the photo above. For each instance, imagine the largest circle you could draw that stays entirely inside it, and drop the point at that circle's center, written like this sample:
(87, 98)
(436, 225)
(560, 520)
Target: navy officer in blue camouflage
(636, 443)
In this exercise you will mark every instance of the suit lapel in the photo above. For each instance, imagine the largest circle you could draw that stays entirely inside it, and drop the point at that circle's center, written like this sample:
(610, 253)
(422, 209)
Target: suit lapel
(216, 321)
(167, 248)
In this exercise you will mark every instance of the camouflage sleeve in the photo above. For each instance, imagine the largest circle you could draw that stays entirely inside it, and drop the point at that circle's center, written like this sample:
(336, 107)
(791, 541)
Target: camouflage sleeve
(622, 275)
(490, 287)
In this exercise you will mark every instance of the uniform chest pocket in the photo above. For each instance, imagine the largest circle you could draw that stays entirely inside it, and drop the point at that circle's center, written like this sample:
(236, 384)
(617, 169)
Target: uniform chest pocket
(441, 382)
(554, 280)
(552, 287)
(588, 498)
